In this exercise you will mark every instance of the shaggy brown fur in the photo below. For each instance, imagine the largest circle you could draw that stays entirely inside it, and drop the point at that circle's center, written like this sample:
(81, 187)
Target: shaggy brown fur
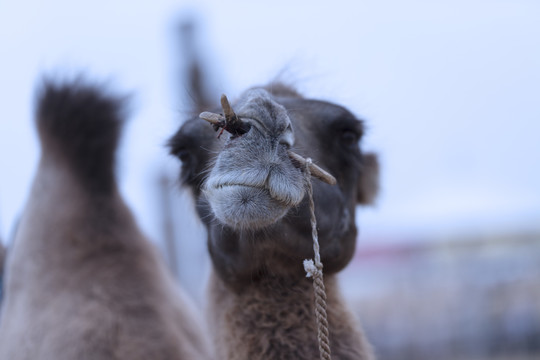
(273, 319)
(82, 281)
(251, 198)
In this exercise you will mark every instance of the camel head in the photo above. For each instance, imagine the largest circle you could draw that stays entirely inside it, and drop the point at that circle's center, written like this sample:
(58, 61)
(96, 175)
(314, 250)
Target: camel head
(249, 184)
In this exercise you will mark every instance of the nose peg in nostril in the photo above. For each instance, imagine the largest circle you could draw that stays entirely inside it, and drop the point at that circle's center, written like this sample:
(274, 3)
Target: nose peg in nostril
(230, 122)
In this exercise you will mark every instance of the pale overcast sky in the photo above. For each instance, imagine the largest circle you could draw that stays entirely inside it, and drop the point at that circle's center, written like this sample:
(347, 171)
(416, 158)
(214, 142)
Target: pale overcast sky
(450, 91)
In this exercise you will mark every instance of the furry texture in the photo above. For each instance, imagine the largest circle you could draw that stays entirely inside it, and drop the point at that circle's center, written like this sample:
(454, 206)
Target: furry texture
(82, 282)
(81, 124)
(252, 203)
(274, 319)
(251, 184)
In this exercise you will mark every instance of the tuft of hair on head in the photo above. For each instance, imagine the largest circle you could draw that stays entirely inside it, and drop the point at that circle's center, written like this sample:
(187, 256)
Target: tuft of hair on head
(79, 123)
(281, 89)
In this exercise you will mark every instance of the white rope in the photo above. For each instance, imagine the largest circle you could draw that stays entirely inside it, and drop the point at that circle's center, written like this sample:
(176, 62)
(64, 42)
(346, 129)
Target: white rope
(314, 269)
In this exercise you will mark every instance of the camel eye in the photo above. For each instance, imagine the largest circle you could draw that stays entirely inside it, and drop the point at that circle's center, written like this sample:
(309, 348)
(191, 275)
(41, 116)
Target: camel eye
(182, 154)
(349, 137)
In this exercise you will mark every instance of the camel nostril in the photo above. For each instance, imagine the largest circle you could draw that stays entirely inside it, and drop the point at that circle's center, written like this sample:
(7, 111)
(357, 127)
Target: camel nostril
(243, 127)
(229, 121)
(287, 138)
(237, 132)
(285, 143)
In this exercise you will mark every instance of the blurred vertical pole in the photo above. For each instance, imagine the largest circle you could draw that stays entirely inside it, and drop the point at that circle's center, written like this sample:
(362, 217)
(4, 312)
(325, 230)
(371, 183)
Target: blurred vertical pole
(2, 261)
(184, 236)
(191, 69)
(1, 236)
(167, 223)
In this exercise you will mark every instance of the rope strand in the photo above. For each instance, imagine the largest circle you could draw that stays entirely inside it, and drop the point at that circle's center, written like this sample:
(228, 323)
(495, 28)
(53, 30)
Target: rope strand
(314, 269)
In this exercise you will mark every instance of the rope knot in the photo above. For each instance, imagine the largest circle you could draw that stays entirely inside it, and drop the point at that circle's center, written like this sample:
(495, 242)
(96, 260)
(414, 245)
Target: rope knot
(307, 169)
(312, 270)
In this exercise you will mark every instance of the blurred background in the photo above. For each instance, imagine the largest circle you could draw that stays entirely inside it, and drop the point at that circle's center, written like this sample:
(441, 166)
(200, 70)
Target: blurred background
(448, 261)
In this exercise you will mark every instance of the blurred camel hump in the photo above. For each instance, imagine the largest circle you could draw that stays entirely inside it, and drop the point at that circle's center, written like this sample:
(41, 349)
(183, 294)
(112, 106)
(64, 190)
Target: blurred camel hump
(80, 124)
(82, 281)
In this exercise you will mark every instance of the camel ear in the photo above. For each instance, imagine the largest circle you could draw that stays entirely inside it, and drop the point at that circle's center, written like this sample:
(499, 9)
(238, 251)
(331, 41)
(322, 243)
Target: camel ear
(368, 183)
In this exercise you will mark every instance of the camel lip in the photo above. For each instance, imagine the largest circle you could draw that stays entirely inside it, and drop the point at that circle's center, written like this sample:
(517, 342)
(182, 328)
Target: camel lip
(245, 206)
(263, 190)
(241, 185)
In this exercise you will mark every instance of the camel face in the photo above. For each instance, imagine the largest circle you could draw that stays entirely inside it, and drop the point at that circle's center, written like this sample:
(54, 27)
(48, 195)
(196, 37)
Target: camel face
(253, 184)
(251, 196)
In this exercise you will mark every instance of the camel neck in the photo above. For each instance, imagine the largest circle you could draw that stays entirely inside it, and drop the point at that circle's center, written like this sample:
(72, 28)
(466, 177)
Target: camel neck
(274, 318)
(63, 222)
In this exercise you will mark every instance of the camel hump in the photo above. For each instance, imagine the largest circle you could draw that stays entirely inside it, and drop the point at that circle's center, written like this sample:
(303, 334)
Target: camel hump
(79, 124)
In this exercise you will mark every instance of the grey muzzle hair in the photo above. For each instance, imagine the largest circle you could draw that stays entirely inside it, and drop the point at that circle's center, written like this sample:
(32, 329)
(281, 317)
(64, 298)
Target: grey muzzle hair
(236, 126)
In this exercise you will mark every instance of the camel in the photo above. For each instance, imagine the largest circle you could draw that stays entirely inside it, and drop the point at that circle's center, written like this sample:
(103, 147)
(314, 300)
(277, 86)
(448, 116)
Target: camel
(249, 193)
(82, 281)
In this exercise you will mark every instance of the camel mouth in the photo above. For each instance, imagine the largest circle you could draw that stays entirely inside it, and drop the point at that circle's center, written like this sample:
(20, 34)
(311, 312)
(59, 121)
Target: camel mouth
(245, 206)
(238, 185)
